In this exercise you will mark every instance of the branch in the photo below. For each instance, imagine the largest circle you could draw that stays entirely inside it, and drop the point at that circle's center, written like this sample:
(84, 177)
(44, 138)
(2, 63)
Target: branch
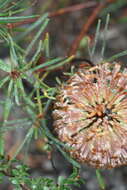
(61, 11)
(73, 8)
(86, 26)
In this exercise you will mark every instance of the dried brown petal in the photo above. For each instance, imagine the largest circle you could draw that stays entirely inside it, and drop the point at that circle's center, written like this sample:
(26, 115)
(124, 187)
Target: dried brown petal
(90, 115)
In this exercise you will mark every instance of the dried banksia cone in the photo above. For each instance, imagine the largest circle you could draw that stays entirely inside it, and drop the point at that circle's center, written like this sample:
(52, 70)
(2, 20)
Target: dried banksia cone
(90, 115)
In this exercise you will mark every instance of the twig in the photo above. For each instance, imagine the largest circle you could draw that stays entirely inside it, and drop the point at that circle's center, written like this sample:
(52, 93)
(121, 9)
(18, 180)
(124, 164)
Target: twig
(73, 8)
(61, 11)
(86, 26)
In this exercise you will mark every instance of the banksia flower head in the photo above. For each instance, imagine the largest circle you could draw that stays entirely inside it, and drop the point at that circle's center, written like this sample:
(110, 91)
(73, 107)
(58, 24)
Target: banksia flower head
(90, 115)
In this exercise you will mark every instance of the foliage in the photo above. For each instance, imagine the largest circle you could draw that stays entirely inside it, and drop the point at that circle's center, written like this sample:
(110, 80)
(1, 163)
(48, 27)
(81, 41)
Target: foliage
(25, 67)
(19, 176)
(20, 70)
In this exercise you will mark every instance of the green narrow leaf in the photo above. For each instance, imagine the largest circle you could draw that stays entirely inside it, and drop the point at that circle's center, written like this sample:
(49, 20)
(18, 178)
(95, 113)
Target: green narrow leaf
(5, 20)
(68, 158)
(49, 101)
(104, 35)
(37, 36)
(2, 145)
(50, 136)
(58, 144)
(56, 141)
(3, 34)
(39, 102)
(7, 109)
(19, 48)
(10, 87)
(60, 64)
(21, 86)
(17, 121)
(118, 55)
(4, 3)
(96, 37)
(100, 180)
(36, 133)
(61, 180)
(29, 102)
(28, 135)
(46, 45)
(14, 57)
(17, 11)
(16, 93)
(15, 5)
(46, 64)
(13, 127)
(3, 81)
(3, 14)
(4, 66)
(37, 53)
(32, 27)
(26, 148)
(31, 113)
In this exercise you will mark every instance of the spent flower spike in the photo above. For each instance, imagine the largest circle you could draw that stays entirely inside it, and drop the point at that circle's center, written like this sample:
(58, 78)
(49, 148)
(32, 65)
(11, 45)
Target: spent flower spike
(90, 115)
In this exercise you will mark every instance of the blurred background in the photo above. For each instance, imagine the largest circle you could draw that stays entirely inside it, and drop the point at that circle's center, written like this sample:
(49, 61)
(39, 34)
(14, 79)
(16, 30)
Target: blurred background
(63, 29)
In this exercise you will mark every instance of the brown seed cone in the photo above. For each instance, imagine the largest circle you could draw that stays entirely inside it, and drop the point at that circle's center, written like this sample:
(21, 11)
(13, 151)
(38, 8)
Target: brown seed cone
(90, 115)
